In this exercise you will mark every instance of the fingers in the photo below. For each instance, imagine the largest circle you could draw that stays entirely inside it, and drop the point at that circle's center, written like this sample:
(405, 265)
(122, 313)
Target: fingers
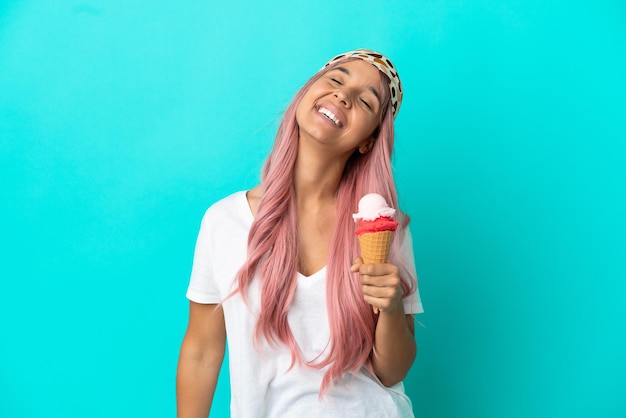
(380, 284)
(385, 299)
(375, 273)
(356, 265)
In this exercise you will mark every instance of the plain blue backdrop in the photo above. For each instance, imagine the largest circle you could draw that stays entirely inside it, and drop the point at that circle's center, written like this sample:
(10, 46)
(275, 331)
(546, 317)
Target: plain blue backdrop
(121, 122)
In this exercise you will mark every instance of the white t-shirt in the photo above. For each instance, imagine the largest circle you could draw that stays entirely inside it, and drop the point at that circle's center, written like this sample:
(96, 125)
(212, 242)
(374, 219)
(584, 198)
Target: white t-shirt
(262, 385)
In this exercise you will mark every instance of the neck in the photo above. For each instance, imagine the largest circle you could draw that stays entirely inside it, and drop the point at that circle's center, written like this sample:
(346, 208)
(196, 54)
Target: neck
(317, 178)
(317, 172)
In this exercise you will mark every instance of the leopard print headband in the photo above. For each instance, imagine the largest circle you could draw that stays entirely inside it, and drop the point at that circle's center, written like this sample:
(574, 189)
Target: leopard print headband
(384, 65)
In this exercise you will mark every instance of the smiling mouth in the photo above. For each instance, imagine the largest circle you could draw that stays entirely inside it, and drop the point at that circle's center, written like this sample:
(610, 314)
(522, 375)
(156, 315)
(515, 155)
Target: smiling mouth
(330, 115)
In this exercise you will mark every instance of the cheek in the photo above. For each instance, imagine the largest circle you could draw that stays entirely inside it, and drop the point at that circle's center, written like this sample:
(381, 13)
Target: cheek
(370, 125)
(305, 103)
(300, 111)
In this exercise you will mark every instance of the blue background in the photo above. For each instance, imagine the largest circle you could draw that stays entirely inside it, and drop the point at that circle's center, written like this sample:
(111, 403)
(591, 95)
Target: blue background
(121, 122)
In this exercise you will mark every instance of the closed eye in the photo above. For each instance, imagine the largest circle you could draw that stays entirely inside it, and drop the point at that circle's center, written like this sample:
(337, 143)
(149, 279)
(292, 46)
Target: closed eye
(366, 104)
(336, 81)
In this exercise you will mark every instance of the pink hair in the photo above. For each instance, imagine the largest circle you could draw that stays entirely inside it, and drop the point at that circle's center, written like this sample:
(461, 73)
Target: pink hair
(272, 246)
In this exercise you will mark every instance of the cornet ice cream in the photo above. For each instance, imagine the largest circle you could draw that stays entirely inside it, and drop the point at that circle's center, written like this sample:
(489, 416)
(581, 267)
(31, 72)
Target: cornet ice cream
(375, 228)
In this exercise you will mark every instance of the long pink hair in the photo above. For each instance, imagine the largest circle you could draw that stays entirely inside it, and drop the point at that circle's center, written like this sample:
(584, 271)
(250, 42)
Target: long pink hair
(273, 246)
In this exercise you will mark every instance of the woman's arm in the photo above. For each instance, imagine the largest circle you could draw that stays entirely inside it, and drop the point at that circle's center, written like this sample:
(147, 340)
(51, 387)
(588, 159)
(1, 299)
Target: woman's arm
(394, 342)
(201, 356)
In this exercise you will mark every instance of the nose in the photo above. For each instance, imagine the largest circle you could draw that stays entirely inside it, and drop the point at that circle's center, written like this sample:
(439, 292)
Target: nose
(344, 98)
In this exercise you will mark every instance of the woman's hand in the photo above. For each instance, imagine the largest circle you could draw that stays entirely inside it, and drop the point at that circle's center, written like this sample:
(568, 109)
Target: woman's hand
(394, 345)
(380, 284)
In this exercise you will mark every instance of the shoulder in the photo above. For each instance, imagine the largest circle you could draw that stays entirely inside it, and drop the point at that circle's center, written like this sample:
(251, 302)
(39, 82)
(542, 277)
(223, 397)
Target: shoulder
(233, 206)
(228, 202)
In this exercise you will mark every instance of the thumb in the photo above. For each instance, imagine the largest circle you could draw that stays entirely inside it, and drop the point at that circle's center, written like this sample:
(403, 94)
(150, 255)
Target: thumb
(356, 264)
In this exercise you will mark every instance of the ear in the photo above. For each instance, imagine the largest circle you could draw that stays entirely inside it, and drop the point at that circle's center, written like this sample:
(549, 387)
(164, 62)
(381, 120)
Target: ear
(366, 145)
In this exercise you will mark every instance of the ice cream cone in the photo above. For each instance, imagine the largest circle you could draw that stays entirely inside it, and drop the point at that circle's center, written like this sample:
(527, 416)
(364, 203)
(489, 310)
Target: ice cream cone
(375, 246)
(375, 228)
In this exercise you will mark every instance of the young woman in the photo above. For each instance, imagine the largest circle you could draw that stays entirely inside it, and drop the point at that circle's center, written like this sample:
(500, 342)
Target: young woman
(276, 268)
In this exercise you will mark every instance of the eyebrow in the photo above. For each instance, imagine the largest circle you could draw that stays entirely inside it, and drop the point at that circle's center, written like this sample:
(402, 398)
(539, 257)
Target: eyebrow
(372, 89)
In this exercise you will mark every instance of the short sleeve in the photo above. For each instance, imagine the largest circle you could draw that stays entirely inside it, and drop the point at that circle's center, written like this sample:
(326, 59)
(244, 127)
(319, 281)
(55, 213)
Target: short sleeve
(413, 302)
(202, 286)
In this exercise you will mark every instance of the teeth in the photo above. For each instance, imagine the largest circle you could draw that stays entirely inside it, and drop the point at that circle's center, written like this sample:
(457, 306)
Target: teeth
(330, 115)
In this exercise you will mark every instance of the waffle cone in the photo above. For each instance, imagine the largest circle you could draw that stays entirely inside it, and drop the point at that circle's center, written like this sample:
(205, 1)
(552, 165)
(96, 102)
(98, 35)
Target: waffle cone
(375, 246)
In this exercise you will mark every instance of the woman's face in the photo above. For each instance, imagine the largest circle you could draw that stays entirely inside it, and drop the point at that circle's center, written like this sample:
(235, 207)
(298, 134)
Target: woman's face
(341, 110)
